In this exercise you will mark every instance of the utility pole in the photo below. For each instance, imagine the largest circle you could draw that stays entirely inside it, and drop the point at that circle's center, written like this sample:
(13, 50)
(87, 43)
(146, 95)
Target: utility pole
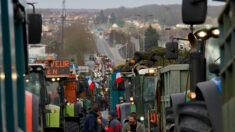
(126, 50)
(63, 17)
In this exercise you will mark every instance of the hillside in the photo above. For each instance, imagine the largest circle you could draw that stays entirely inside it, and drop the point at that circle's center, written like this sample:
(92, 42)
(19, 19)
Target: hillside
(166, 14)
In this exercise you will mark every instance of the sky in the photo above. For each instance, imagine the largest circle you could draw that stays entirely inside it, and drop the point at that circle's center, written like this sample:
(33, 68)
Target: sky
(104, 4)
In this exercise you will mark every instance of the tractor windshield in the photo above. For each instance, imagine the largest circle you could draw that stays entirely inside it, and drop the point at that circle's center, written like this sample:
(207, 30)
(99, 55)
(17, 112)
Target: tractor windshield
(52, 90)
(32, 83)
(149, 89)
(149, 94)
(212, 54)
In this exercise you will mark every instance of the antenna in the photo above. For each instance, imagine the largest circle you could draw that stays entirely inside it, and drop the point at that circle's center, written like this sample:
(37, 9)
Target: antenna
(63, 17)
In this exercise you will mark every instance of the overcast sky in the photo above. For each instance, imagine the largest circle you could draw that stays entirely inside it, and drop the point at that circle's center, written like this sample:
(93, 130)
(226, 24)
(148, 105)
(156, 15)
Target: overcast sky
(103, 4)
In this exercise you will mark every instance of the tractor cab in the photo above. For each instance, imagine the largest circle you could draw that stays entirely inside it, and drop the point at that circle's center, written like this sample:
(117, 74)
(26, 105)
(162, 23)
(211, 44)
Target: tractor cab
(140, 96)
(35, 96)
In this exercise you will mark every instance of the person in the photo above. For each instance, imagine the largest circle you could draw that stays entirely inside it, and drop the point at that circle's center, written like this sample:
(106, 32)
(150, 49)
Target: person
(102, 123)
(114, 124)
(91, 124)
(133, 125)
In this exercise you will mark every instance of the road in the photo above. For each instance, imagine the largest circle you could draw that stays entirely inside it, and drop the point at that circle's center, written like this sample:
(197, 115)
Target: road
(88, 62)
(112, 52)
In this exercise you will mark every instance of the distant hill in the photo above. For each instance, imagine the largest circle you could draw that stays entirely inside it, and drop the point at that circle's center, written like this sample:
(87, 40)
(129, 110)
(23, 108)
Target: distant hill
(166, 14)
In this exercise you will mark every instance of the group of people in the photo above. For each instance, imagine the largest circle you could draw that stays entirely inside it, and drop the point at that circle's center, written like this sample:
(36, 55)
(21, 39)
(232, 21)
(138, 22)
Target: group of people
(95, 123)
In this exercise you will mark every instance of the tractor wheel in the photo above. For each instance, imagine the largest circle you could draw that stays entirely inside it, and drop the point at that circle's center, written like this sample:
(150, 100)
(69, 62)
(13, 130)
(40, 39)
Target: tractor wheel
(170, 119)
(71, 126)
(193, 117)
(81, 124)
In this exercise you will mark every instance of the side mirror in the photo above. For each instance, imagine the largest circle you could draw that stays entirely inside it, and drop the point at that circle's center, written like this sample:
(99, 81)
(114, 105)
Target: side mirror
(194, 11)
(214, 68)
(34, 28)
(48, 101)
(171, 50)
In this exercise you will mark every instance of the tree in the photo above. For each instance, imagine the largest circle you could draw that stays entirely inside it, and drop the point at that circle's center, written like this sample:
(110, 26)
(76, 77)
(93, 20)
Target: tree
(102, 17)
(113, 18)
(120, 22)
(151, 38)
(78, 42)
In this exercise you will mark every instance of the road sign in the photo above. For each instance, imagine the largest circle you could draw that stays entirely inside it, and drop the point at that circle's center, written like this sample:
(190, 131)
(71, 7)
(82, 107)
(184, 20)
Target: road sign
(100, 29)
(56, 68)
(82, 69)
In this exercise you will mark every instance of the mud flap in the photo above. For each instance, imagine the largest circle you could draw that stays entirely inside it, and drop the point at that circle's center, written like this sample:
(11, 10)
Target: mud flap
(209, 92)
(176, 99)
(35, 115)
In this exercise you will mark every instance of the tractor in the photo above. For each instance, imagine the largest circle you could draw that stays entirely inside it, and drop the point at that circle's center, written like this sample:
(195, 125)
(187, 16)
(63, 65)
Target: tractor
(208, 99)
(17, 30)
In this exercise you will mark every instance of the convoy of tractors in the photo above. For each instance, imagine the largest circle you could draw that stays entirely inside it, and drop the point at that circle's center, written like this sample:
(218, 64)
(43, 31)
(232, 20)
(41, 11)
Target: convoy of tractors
(167, 95)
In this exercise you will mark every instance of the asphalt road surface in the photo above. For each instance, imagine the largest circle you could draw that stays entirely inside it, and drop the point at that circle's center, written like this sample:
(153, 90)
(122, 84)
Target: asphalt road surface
(111, 52)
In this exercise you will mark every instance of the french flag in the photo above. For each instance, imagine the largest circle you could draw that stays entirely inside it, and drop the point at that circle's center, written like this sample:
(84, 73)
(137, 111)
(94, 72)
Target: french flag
(118, 76)
(90, 83)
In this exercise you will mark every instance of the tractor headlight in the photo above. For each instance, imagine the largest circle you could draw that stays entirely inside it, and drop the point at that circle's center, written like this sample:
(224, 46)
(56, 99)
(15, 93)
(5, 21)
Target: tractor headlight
(141, 118)
(106, 89)
(2, 75)
(58, 79)
(38, 68)
(53, 79)
(215, 32)
(151, 71)
(131, 99)
(30, 69)
(202, 34)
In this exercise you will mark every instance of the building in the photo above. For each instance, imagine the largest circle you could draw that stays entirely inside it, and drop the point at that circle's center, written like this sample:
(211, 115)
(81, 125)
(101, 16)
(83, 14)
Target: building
(38, 51)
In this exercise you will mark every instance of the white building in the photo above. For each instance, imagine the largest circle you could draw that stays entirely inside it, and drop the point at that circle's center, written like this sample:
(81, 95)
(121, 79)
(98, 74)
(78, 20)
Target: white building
(38, 51)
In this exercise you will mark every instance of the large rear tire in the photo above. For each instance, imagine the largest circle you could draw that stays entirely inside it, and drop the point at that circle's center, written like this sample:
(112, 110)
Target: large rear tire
(193, 117)
(81, 124)
(170, 119)
(71, 126)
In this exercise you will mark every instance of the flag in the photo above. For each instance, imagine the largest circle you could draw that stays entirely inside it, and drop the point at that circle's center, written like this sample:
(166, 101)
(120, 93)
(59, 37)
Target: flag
(90, 83)
(74, 71)
(118, 76)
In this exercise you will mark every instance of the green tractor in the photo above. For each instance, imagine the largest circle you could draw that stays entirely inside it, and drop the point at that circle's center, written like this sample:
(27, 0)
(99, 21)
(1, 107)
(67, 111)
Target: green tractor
(144, 90)
(36, 97)
(64, 116)
(66, 109)
(210, 107)
(139, 97)
(15, 35)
